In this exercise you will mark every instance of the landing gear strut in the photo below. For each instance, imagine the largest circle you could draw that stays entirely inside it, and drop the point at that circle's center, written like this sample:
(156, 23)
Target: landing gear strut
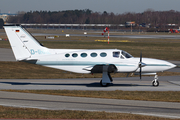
(106, 77)
(155, 82)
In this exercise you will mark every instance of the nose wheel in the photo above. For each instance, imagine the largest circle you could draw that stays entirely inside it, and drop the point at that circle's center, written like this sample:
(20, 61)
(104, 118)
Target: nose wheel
(155, 82)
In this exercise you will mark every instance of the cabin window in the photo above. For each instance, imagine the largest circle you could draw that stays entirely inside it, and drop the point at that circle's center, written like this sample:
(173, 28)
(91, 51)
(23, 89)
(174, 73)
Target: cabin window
(116, 54)
(103, 54)
(83, 55)
(93, 54)
(74, 54)
(67, 55)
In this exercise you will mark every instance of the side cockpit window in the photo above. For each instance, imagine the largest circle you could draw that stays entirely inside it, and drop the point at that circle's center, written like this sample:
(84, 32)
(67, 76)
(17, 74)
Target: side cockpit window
(116, 54)
(126, 55)
(122, 57)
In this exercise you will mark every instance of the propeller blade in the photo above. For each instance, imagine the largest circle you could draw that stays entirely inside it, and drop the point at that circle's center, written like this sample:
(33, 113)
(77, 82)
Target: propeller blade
(140, 65)
(140, 72)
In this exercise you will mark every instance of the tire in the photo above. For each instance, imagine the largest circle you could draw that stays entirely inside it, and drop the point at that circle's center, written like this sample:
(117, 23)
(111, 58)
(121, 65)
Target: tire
(155, 84)
(104, 84)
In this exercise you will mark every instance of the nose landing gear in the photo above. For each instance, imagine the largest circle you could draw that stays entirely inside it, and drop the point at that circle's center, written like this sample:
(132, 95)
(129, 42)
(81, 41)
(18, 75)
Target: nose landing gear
(155, 82)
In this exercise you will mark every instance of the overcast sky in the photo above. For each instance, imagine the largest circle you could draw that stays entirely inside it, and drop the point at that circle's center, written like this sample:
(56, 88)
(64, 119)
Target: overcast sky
(115, 6)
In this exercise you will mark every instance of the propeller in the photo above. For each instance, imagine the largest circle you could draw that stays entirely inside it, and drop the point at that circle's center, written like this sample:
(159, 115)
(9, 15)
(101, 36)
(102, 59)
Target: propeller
(140, 65)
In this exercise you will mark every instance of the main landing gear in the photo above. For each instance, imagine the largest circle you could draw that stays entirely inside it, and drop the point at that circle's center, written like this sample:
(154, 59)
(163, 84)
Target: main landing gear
(155, 82)
(106, 80)
(106, 77)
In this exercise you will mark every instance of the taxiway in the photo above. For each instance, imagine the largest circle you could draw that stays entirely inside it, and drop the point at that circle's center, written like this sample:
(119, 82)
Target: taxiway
(167, 83)
(53, 102)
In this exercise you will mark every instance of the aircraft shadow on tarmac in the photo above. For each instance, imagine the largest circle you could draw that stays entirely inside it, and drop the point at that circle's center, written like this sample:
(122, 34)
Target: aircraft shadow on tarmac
(116, 85)
(95, 84)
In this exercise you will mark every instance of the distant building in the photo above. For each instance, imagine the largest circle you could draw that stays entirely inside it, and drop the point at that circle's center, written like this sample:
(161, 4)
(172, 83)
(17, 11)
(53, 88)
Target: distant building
(171, 25)
(5, 16)
(129, 24)
(145, 25)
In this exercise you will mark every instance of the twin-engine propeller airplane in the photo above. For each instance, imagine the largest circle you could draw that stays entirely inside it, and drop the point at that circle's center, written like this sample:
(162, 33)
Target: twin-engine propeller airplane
(105, 61)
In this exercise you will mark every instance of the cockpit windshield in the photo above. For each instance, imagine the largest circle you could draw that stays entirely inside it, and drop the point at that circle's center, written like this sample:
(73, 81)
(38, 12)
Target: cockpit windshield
(126, 55)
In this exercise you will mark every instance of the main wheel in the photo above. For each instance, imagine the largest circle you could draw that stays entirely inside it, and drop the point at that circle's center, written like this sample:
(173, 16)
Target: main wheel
(104, 84)
(155, 83)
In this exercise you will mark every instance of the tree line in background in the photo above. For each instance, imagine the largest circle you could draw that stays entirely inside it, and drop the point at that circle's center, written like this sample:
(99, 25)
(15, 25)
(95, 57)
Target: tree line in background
(153, 18)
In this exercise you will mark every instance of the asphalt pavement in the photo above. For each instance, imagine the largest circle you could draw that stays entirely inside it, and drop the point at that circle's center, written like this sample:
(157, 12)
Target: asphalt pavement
(53, 102)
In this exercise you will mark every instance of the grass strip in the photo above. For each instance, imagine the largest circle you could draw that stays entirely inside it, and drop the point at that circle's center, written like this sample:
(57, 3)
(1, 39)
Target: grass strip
(164, 96)
(28, 113)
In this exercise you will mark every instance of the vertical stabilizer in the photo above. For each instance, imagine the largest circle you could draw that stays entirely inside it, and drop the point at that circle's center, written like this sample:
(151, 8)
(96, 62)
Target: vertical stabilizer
(23, 44)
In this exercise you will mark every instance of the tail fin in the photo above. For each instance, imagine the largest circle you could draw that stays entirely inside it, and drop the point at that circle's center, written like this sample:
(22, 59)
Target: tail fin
(23, 44)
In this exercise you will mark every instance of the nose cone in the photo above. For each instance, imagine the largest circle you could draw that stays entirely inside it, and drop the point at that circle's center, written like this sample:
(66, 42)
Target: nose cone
(155, 65)
(171, 65)
(159, 65)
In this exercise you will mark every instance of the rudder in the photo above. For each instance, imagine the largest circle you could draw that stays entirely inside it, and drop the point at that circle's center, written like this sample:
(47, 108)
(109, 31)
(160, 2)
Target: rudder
(22, 43)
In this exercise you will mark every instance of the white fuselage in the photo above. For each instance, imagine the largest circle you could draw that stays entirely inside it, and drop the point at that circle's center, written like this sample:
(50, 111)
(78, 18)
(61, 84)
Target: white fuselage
(82, 61)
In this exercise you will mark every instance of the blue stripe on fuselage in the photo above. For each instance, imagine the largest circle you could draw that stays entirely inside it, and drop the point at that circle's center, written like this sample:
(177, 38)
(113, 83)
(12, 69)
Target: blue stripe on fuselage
(76, 63)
